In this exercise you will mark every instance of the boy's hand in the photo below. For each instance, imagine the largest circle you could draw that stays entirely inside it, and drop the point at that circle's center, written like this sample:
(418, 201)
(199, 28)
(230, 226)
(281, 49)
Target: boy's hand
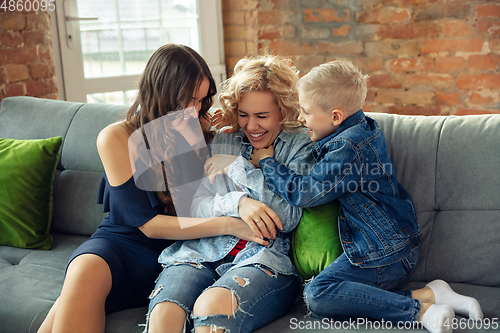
(260, 154)
(218, 165)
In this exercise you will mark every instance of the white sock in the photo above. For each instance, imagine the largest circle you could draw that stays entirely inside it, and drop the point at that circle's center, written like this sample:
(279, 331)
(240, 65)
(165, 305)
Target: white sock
(438, 318)
(463, 305)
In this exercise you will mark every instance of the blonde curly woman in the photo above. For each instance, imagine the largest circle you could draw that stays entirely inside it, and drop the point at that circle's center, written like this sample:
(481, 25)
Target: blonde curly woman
(223, 283)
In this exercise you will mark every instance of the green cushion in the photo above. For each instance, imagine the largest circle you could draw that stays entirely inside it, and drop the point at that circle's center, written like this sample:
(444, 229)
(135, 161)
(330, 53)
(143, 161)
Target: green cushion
(316, 241)
(26, 177)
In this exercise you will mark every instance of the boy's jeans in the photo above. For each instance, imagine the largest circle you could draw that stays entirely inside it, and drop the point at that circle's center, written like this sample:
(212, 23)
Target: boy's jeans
(261, 297)
(342, 291)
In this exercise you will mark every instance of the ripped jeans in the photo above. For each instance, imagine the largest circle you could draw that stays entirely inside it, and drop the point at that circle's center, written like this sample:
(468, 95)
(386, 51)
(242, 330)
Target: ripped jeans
(262, 298)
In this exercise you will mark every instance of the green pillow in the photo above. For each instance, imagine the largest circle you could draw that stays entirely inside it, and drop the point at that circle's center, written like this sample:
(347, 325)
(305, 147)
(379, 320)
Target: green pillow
(27, 170)
(316, 241)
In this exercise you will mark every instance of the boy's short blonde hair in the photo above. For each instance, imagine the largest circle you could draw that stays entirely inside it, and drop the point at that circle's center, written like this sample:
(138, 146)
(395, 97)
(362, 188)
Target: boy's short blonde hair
(263, 73)
(335, 85)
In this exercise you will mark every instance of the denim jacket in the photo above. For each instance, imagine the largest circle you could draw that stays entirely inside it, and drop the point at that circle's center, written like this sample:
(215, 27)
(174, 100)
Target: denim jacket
(294, 150)
(377, 222)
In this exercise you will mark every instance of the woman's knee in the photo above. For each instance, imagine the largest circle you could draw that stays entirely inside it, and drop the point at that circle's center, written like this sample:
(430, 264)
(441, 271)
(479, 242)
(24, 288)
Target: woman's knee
(89, 271)
(166, 315)
(214, 301)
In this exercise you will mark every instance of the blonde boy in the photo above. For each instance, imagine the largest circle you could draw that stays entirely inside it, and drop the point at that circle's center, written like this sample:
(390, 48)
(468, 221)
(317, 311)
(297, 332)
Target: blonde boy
(328, 95)
(377, 223)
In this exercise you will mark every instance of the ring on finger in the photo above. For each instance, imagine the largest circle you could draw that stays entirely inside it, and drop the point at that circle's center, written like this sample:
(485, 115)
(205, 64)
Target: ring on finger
(256, 221)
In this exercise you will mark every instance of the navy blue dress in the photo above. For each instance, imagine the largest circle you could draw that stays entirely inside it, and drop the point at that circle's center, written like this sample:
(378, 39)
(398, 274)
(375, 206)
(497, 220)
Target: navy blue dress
(131, 256)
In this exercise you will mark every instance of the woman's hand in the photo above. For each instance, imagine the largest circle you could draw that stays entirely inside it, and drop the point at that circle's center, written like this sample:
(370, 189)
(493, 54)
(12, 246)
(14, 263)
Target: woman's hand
(218, 165)
(259, 217)
(240, 229)
(260, 154)
(219, 122)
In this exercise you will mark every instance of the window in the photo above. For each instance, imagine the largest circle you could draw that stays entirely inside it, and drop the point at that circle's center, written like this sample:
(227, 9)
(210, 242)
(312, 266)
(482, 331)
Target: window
(104, 45)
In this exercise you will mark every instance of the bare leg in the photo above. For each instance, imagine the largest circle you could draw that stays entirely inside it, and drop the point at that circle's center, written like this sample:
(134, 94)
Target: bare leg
(214, 301)
(424, 295)
(46, 326)
(166, 317)
(426, 298)
(80, 308)
(224, 311)
(435, 318)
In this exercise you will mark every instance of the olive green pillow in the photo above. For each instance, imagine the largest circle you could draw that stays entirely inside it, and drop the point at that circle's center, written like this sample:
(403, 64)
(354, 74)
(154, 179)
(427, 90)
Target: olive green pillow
(26, 175)
(316, 241)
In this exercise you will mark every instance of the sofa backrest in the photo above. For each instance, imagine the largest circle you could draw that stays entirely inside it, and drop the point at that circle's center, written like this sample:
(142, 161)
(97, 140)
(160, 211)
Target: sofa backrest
(451, 168)
(79, 169)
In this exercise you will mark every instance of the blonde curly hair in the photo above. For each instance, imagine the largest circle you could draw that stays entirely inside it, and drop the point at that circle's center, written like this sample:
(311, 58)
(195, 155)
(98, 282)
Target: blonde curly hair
(263, 73)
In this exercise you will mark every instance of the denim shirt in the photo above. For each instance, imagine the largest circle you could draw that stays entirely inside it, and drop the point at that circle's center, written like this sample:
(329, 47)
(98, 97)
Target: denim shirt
(377, 222)
(294, 150)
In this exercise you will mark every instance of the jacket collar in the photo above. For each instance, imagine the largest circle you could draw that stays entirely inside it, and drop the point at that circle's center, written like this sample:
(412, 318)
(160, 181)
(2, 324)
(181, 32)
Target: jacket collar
(349, 122)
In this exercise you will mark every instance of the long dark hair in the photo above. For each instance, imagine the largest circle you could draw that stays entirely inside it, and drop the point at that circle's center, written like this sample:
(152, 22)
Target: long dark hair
(172, 74)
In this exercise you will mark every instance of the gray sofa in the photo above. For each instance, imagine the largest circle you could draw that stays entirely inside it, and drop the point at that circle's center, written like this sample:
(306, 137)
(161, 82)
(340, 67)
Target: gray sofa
(450, 166)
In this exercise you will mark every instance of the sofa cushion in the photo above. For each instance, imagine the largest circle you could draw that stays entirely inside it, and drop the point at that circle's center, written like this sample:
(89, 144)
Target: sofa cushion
(79, 169)
(316, 241)
(80, 149)
(35, 118)
(467, 228)
(30, 282)
(449, 165)
(77, 211)
(26, 191)
(412, 143)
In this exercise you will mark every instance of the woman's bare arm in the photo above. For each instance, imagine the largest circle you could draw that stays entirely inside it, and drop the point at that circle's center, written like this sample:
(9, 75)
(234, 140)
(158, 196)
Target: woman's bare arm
(112, 145)
(171, 227)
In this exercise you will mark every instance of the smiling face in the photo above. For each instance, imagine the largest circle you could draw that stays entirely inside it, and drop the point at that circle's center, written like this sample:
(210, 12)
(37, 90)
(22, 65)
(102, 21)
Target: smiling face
(319, 123)
(260, 118)
(193, 109)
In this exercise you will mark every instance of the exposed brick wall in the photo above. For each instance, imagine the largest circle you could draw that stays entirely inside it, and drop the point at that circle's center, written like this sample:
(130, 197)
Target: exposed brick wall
(26, 63)
(431, 57)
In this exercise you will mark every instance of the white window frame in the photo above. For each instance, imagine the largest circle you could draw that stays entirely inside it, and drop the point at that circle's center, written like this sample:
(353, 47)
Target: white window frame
(71, 82)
